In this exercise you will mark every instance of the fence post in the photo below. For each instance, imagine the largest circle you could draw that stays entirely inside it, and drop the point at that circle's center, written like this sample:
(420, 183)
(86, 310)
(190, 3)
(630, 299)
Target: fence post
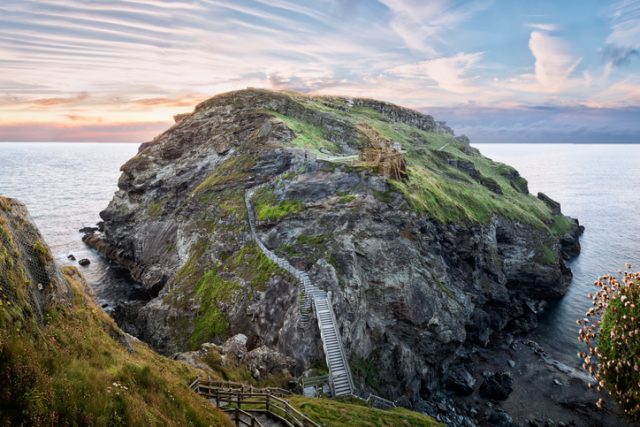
(237, 416)
(267, 403)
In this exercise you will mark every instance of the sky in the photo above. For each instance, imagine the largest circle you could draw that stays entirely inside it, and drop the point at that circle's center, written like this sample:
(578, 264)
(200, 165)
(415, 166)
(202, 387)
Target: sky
(496, 70)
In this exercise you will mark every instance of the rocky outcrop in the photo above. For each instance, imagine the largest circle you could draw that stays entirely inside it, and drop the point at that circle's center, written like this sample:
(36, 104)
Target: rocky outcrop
(411, 289)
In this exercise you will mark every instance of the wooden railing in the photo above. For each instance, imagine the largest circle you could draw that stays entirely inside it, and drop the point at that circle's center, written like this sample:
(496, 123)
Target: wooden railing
(231, 399)
(240, 418)
(207, 384)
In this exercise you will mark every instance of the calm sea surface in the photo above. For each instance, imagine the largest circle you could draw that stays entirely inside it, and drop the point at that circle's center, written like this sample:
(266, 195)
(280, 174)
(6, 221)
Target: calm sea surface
(65, 186)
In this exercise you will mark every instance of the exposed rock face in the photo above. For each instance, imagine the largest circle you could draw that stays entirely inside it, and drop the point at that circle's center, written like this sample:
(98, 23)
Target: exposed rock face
(409, 291)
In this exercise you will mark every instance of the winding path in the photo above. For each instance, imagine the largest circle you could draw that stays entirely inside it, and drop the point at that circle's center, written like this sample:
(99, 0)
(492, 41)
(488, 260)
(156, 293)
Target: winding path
(316, 301)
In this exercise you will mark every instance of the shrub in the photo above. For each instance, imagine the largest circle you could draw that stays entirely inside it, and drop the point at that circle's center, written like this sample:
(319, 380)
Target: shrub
(613, 340)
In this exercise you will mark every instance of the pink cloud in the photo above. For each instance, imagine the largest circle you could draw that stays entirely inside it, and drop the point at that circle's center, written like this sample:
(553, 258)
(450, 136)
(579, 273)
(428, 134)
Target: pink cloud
(112, 132)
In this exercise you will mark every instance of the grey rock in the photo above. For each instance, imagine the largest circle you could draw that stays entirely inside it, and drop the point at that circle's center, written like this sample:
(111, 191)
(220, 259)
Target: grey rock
(497, 386)
(459, 380)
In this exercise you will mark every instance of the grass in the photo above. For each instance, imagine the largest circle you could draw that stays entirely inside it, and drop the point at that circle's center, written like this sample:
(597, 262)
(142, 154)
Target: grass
(434, 186)
(72, 368)
(346, 198)
(332, 413)
(210, 321)
(308, 136)
(269, 208)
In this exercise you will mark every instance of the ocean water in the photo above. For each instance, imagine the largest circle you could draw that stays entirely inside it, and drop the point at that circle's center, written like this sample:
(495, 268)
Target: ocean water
(65, 186)
(599, 185)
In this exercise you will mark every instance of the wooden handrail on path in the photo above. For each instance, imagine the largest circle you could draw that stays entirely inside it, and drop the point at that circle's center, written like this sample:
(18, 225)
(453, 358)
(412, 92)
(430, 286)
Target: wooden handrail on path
(230, 399)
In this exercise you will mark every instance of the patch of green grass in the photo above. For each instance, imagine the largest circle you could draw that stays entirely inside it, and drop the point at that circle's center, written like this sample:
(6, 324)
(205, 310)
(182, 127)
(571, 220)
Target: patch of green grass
(210, 321)
(304, 239)
(266, 212)
(268, 207)
(154, 210)
(308, 136)
(330, 413)
(252, 266)
(346, 198)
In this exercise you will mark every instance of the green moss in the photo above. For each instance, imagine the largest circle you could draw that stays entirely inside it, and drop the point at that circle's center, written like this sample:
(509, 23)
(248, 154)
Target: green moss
(330, 413)
(346, 198)
(304, 239)
(210, 321)
(252, 266)
(154, 210)
(269, 208)
(266, 212)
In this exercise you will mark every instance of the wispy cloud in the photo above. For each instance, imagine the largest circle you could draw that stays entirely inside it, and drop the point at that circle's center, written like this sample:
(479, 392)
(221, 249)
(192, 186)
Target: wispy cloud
(623, 43)
(420, 24)
(554, 62)
(543, 27)
(448, 73)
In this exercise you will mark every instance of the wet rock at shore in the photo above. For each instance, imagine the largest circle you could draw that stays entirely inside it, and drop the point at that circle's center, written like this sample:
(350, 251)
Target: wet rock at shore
(84, 262)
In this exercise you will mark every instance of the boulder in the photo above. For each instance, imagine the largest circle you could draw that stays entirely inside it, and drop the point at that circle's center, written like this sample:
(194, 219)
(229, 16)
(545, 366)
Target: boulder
(460, 381)
(235, 346)
(84, 262)
(552, 204)
(264, 360)
(497, 386)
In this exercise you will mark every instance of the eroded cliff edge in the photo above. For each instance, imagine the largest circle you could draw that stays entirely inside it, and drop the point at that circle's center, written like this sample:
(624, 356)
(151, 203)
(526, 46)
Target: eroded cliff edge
(428, 247)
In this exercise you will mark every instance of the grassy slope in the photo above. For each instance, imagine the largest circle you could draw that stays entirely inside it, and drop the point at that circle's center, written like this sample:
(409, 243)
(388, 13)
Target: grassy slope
(334, 413)
(72, 369)
(434, 186)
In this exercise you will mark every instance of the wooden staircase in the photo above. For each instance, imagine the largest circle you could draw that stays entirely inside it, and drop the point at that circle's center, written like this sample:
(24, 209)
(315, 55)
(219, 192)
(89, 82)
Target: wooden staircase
(314, 301)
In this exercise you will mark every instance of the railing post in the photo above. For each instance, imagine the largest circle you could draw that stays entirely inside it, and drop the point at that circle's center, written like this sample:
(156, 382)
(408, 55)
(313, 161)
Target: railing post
(237, 416)
(267, 403)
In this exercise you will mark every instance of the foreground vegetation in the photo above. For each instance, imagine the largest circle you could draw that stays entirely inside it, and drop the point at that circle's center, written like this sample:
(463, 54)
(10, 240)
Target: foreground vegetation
(611, 332)
(353, 413)
(65, 362)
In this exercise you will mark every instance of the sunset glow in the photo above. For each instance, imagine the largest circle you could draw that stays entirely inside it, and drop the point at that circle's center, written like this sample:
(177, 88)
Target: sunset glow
(118, 71)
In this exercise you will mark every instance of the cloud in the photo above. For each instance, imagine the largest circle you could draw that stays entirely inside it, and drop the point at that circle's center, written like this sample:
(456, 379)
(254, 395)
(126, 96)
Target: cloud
(553, 61)
(619, 56)
(419, 23)
(48, 102)
(543, 27)
(623, 43)
(111, 132)
(448, 72)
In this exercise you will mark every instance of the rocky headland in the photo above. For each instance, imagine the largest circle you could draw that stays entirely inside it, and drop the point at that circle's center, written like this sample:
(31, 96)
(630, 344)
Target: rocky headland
(431, 251)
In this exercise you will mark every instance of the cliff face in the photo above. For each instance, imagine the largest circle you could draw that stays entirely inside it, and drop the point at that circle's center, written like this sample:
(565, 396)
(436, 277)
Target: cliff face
(426, 246)
(63, 361)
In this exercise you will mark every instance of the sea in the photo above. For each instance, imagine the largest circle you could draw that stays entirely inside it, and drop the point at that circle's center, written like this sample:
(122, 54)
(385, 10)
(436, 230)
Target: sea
(66, 185)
